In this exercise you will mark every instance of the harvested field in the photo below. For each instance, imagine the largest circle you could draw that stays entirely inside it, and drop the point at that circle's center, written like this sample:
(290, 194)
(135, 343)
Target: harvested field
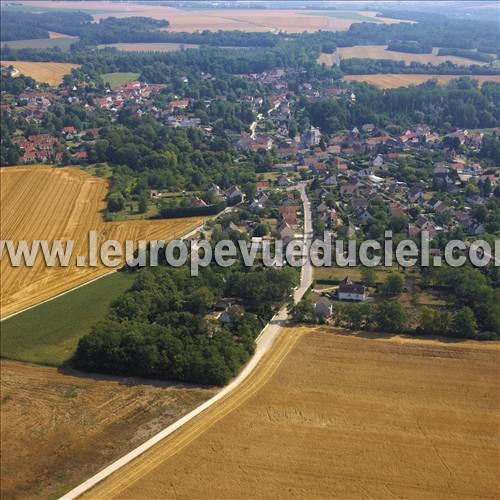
(392, 81)
(380, 52)
(44, 72)
(293, 21)
(42, 202)
(150, 47)
(57, 429)
(333, 415)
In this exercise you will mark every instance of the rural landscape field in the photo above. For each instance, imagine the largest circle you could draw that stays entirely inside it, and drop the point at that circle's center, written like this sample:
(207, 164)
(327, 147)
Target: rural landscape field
(44, 72)
(59, 428)
(333, 414)
(329, 325)
(41, 202)
(252, 20)
(381, 52)
(393, 81)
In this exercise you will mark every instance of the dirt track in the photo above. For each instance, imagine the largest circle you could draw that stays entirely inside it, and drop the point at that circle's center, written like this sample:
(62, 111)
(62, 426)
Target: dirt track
(340, 416)
(57, 429)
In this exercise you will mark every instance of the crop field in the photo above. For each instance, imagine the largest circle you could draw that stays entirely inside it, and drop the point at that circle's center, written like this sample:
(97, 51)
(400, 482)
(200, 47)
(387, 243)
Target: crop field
(49, 332)
(380, 52)
(64, 43)
(43, 72)
(331, 414)
(46, 203)
(392, 81)
(59, 428)
(190, 20)
(118, 78)
(150, 47)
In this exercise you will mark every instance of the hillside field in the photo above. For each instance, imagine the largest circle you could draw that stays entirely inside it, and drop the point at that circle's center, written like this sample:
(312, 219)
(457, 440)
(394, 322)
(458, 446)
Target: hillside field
(190, 20)
(380, 52)
(392, 81)
(59, 428)
(64, 43)
(43, 72)
(46, 203)
(150, 47)
(331, 414)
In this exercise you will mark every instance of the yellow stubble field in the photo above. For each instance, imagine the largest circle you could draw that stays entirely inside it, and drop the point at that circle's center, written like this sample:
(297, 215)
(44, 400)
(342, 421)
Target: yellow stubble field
(43, 72)
(393, 80)
(380, 52)
(331, 414)
(47, 203)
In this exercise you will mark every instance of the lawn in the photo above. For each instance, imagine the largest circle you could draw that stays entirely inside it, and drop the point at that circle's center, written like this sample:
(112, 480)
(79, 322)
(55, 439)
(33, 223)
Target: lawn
(117, 79)
(49, 333)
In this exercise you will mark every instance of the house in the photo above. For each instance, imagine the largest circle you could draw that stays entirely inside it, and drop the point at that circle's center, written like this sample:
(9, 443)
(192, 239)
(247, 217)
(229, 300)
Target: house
(214, 189)
(415, 194)
(261, 186)
(348, 190)
(197, 202)
(69, 131)
(331, 180)
(378, 162)
(351, 291)
(322, 308)
(234, 195)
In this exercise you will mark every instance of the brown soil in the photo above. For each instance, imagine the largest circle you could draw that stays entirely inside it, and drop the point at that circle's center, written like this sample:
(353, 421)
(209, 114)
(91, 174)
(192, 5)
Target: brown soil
(341, 416)
(59, 429)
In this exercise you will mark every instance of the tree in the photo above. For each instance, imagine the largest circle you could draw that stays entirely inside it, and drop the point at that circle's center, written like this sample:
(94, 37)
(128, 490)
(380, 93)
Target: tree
(394, 284)
(116, 202)
(261, 230)
(368, 276)
(390, 317)
(464, 323)
(302, 312)
(143, 204)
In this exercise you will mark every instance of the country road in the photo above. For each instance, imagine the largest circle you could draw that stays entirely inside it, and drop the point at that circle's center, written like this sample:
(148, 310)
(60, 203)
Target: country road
(141, 460)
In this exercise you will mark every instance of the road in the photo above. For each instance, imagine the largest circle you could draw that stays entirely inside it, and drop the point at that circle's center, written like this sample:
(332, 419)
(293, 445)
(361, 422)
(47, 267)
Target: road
(158, 450)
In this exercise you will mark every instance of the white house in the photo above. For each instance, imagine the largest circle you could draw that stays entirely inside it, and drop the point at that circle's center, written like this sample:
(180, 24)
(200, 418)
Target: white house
(350, 291)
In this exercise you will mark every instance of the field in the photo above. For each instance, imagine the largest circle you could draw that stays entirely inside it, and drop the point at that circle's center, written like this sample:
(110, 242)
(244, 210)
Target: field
(64, 43)
(42, 202)
(117, 79)
(49, 332)
(44, 72)
(150, 47)
(337, 415)
(190, 20)
(380, 52)
(57, 429)
(392, 81)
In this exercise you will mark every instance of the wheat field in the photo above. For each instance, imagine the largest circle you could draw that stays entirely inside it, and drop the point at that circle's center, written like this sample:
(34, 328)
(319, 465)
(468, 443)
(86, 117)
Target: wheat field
(331, 414)
(46, 203)
(393, 80)
(380, 52)
(43, 72)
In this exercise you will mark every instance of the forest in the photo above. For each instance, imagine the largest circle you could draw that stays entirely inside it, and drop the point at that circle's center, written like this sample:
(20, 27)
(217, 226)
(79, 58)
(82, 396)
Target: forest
(164, 327)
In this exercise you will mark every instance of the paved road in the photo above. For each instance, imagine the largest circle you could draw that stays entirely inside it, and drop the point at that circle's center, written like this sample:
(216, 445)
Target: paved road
(264, 343)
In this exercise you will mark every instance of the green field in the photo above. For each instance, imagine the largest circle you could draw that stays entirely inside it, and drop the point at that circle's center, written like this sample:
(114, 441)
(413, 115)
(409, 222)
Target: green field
(117, 79)
(49, 333)
(41, 43)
